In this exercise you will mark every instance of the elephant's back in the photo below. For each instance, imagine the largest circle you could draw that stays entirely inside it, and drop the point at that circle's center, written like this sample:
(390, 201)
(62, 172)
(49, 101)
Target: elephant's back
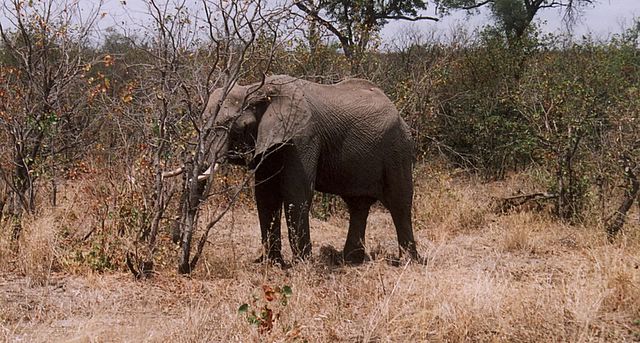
(353, 83)
(357, 92)
(362, 134)
(354, 107)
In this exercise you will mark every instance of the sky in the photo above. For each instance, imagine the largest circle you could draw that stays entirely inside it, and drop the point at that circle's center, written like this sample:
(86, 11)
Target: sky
(602, 20)
(606, 18)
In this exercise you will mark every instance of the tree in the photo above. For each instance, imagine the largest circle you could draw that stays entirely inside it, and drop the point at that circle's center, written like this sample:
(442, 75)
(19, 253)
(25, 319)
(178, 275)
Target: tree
(45, 98)
(190, 56)
(354, 23)
(515, 16)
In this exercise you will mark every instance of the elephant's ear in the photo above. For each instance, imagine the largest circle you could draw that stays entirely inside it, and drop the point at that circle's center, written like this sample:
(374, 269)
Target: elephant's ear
(286, 116)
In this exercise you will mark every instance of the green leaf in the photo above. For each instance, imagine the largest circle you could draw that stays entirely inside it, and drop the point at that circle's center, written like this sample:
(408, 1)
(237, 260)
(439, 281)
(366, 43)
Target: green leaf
(286, 291)
(253, 319)
(244, 308)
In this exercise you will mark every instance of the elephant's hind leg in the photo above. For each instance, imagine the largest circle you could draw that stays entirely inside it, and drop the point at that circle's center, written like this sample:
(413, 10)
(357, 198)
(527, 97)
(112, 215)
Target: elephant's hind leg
(398, 198)
(402, 221)
(354, 251)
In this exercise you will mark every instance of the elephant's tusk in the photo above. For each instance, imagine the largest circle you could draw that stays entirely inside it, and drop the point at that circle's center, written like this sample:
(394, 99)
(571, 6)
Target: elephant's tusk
(208, 172)
(201, 177)
(173, 173)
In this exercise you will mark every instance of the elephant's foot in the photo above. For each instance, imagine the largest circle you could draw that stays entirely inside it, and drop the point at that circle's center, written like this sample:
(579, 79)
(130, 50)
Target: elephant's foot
(355, 257)
(407, 256)
(299, 258)
(274, 259)
(301, 253)
(418, 259)
(413, 255)
(333, 257)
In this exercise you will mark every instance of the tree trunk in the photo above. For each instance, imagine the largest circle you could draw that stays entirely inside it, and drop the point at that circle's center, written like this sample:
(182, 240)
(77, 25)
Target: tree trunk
(189, 220)
(617, 220)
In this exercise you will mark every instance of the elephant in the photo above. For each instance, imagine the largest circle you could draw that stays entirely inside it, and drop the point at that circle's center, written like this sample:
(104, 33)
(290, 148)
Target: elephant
(298, 137)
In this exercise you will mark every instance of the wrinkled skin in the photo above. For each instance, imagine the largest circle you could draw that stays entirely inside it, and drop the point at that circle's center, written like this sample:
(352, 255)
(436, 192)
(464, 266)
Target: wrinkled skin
(345, 139)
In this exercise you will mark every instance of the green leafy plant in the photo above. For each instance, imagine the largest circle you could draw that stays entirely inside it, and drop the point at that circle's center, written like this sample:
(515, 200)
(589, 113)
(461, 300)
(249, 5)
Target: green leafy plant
(264, 311)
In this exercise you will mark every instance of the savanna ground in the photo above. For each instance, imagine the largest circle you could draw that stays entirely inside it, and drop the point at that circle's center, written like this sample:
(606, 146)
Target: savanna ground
(521, 276)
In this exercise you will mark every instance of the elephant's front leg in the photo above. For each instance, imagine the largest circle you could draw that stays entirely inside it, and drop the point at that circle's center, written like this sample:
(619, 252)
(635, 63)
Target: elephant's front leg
(297, 186)
(269, 213)
(297, 215)
(269, 203)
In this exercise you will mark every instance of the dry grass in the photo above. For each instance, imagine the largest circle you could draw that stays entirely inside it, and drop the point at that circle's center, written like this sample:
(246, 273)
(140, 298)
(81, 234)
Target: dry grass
(521, 277)
(38, 248)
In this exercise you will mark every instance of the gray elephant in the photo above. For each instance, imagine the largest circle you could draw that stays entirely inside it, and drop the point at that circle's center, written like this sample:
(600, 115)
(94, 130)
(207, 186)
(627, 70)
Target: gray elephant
(345, 139)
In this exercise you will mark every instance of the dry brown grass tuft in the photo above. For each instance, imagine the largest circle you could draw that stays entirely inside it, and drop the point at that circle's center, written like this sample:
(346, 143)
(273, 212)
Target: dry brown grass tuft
(6, 249)
(522, 232)
(444, 205)
(518, 277)
(38, 248)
